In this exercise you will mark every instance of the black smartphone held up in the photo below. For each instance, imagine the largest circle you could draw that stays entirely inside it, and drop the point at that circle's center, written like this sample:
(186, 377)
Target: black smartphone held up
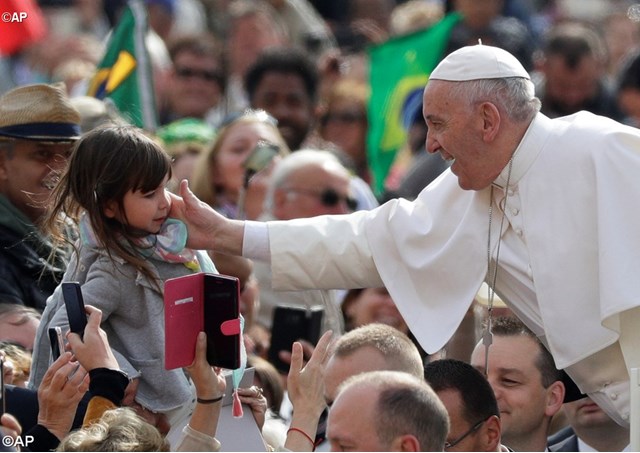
(57, 342)
(74, 302)
(290, 324)
(222, 320)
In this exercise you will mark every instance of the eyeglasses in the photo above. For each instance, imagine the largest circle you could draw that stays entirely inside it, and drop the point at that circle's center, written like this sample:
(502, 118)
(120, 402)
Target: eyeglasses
(210, 76)
(471, 430)
(328, 197)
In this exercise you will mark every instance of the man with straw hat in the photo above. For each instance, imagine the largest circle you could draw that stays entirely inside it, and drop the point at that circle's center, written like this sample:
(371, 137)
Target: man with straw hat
(38, 126)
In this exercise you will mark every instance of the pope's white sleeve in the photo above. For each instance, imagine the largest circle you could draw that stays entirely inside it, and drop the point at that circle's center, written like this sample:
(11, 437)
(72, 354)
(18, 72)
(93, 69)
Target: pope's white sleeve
(326, 252)
(255, 244)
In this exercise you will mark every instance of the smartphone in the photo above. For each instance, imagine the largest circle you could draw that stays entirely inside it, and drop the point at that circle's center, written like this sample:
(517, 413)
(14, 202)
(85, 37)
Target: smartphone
(222, 304)
(57, 342)
(260, 158)
(74, 302)
(290, 324)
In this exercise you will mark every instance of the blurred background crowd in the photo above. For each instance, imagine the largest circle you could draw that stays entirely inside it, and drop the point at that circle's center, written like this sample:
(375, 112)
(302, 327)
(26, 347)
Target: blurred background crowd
(293, 76)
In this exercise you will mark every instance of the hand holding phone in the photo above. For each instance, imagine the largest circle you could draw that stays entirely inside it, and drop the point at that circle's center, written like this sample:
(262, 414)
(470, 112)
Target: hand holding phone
(290, 324)
(57, 342)
(74, 303)
(259, 159)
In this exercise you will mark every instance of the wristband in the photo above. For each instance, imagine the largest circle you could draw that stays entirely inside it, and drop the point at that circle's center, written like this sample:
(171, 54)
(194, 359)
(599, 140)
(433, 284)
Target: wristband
(313, 444)
(211, 401)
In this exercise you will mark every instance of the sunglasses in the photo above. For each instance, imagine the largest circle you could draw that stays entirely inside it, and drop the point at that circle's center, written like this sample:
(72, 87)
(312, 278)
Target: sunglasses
(210, 76)
(471, 430)
(328, 197)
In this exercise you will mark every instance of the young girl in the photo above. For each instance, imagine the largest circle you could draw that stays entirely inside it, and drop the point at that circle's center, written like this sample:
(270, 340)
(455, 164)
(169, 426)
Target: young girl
(113, 194)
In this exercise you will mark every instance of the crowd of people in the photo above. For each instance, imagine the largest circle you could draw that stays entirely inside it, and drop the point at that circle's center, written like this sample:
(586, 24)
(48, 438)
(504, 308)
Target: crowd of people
(482, 301)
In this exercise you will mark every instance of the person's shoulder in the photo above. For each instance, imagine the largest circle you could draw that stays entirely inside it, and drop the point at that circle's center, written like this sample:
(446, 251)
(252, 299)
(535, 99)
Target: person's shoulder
(563, 440)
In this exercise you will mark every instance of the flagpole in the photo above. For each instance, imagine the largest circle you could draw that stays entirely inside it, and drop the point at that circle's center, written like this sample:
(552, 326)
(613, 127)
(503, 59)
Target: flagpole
(144, 80)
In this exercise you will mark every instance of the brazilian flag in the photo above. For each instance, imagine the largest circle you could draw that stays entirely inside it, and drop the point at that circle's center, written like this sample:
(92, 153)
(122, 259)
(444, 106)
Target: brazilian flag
(399, 71)
(123, 77)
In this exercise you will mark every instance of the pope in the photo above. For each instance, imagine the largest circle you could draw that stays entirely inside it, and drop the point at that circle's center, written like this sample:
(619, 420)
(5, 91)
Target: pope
(543, 210)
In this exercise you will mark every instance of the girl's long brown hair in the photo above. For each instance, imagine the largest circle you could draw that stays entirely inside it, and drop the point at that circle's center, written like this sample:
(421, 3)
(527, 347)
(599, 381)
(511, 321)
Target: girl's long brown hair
(105, 164)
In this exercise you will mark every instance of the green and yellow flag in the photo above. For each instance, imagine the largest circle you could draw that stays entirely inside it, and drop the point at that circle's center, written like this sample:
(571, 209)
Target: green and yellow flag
(398, 73)
(123, 77)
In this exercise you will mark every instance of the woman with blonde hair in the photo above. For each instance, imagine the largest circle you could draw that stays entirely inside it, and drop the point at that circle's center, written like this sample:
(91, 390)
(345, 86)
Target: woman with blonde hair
(221, 178)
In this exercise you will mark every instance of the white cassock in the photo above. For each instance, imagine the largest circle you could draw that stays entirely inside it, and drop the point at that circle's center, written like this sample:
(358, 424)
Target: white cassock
(569, 262)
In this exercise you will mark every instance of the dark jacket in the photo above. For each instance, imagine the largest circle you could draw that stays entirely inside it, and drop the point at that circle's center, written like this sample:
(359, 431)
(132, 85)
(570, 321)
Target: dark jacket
(26, 276)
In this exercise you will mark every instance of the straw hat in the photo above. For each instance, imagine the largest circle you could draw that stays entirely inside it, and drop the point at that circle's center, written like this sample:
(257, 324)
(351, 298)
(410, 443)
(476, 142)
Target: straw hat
(39, 112)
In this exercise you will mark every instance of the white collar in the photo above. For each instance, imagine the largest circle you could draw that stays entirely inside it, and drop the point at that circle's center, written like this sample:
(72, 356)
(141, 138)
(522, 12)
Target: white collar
(527, 151)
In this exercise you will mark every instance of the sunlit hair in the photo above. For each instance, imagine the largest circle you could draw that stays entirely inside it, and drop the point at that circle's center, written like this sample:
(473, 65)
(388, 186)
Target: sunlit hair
(105, 164)
(204, 184)
(397, 349)
(22, 313)
(117, 430)
(513, 96)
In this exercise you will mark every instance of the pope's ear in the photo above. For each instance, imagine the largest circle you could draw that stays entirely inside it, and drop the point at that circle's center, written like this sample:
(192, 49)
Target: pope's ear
(490, 121)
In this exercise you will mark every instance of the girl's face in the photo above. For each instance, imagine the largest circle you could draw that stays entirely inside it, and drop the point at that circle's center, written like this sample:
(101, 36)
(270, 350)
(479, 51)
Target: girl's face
(238, 143)
(145, 211)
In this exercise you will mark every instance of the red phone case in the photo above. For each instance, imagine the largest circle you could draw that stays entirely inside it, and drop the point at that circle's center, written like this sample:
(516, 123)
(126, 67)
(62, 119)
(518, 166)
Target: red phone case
(184, 305)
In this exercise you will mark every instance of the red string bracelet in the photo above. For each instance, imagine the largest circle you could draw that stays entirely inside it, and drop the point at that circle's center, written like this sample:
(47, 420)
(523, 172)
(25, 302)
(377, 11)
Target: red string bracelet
(313, 444)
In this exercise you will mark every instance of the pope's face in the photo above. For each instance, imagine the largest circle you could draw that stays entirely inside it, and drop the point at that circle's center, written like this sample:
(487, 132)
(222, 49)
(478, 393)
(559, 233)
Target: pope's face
(457, 131)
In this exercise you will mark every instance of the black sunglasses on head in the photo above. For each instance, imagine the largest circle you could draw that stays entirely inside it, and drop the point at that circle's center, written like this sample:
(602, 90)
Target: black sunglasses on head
(328, 197)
